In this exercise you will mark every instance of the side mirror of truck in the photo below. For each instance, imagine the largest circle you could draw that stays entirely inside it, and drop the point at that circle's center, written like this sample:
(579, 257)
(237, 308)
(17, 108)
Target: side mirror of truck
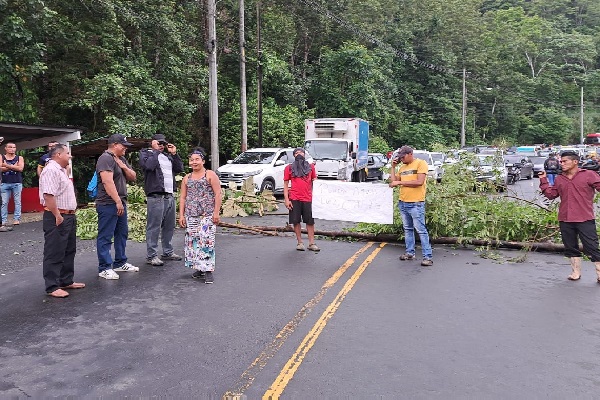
(229, 161)
(279, 162)
(353, 155)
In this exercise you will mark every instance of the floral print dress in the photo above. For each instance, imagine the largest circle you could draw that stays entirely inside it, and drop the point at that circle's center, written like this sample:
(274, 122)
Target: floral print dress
(200, 230)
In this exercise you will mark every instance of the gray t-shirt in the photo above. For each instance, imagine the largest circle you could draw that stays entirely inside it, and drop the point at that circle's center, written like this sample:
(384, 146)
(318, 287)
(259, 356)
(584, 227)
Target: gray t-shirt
(106, 162)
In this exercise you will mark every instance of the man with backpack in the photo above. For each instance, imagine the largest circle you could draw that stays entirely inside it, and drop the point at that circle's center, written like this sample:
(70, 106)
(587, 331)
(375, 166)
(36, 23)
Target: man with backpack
(111, 205)
(552, 168)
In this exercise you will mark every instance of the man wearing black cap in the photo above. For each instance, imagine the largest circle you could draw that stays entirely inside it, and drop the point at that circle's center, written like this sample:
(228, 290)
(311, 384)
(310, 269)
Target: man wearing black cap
(111, 205)
(160, 168)
(576, 188)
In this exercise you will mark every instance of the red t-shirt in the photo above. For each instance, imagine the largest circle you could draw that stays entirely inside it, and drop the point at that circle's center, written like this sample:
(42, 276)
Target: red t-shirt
(301, 189)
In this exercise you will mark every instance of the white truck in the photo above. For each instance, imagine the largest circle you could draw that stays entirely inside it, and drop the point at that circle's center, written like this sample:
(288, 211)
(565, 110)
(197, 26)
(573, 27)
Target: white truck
(339, 146)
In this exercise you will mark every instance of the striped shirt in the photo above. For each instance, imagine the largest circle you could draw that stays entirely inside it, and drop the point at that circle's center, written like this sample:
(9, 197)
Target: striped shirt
(54, 181)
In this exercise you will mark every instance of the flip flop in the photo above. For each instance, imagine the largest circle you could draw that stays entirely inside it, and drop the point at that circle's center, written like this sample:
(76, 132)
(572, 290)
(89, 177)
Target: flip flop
(74, 285)
(573, 279)
(58, 293)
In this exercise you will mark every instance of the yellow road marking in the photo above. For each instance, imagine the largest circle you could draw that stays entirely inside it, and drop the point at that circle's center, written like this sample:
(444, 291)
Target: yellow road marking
(290, 368)
(271, 349)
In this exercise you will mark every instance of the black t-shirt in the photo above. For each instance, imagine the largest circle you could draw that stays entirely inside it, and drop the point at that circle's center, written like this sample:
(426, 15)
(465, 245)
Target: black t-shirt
(106, 162)
(44, 159)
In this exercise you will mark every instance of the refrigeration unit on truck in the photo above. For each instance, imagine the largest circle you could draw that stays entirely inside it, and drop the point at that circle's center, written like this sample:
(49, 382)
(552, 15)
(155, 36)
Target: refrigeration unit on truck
(340, 147)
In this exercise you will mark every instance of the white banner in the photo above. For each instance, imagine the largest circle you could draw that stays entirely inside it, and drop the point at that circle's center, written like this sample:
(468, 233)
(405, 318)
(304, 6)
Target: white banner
(357, 202)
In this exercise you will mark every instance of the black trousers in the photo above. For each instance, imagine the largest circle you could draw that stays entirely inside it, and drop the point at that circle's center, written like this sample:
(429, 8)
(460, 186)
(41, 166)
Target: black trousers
(586, 231)
(60, 245)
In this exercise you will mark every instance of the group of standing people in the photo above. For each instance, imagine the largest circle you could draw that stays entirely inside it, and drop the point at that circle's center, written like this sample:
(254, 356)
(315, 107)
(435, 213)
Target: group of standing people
(200, 203)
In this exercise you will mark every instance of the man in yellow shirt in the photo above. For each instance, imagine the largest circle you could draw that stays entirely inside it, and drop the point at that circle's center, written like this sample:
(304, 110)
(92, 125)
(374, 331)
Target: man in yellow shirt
(412, 179)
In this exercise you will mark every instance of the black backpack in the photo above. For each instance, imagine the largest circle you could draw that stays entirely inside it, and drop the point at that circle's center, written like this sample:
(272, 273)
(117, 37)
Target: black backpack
(552, 165)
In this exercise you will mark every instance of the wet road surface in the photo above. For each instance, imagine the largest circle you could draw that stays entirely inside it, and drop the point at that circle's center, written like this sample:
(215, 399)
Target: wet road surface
(349, 322)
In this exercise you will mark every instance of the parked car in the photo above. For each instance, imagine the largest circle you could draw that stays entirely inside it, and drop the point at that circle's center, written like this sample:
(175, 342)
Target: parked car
(538, 163)
(264, 165)
(376, 162)
(490, 168)
(435, 170)
(523, 162)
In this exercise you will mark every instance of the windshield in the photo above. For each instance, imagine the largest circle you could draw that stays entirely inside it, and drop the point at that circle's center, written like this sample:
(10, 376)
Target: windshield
(423, 156)
(514, 160)
(538, 160)
(437, 157)
(488, 161)
(324, 150)
(254, 157)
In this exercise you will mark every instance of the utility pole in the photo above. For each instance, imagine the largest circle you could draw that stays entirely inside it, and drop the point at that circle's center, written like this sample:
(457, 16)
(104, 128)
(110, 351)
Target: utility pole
(464, 109)
(243, 102)
(581, 117)
(213, 109)
(259, 76)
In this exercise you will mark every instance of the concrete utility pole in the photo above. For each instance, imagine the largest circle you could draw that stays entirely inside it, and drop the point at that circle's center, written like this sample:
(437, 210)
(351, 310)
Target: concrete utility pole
(464, 109)
(243, 102)
(581, 117)
(213, 109)
(259, 76)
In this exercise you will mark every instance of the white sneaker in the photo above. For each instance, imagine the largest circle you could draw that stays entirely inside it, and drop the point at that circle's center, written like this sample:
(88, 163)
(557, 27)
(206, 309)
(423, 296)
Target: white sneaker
(108, 274)
(127, 268)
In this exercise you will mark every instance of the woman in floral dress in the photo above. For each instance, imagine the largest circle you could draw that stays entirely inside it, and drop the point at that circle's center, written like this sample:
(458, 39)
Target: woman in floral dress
(200, 203)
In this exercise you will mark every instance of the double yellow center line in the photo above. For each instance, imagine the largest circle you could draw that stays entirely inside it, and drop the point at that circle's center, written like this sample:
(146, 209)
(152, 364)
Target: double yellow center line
(290, 368)
(288, 371)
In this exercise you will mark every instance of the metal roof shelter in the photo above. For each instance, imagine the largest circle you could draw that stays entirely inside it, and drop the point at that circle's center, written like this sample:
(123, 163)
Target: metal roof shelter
(95, 147)
(27, 136)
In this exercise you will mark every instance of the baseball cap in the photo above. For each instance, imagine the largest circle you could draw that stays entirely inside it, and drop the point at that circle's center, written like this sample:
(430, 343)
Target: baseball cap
(401, 152)
(159, 137)
(118, 138)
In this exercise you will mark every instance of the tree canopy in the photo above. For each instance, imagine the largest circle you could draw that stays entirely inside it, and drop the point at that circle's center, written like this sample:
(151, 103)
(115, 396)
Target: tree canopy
(138, 67)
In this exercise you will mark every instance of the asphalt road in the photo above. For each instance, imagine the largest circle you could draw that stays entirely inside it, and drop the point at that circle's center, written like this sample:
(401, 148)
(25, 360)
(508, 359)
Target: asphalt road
(349, 322)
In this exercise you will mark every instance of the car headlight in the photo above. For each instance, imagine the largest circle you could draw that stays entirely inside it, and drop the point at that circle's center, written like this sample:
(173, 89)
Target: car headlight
(252, 173)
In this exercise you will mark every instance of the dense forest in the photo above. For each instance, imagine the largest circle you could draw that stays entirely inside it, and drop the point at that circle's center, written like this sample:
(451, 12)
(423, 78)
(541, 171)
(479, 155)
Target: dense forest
(138, 67)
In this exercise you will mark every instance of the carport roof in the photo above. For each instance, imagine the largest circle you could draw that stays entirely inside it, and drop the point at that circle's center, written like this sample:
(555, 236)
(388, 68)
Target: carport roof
(28, 136)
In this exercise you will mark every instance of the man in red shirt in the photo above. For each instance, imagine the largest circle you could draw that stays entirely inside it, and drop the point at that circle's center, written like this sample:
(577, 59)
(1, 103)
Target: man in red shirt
(576, 188)
(298, 198)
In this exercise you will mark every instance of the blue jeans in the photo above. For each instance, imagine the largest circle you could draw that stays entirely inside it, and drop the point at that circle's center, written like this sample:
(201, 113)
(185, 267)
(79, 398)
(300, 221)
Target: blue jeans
(413, 218)
(111, 225)
(7, 189)
(160, 220)
(551, 178)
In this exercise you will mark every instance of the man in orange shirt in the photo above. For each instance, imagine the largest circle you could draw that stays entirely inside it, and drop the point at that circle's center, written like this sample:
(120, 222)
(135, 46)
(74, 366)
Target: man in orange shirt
(412, 179)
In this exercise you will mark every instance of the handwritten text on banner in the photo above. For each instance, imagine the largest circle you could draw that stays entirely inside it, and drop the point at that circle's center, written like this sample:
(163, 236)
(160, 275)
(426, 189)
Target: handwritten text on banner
(357, 202)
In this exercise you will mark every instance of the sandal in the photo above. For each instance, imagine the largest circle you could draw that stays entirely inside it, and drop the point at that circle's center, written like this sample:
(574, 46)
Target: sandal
(574, 279)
